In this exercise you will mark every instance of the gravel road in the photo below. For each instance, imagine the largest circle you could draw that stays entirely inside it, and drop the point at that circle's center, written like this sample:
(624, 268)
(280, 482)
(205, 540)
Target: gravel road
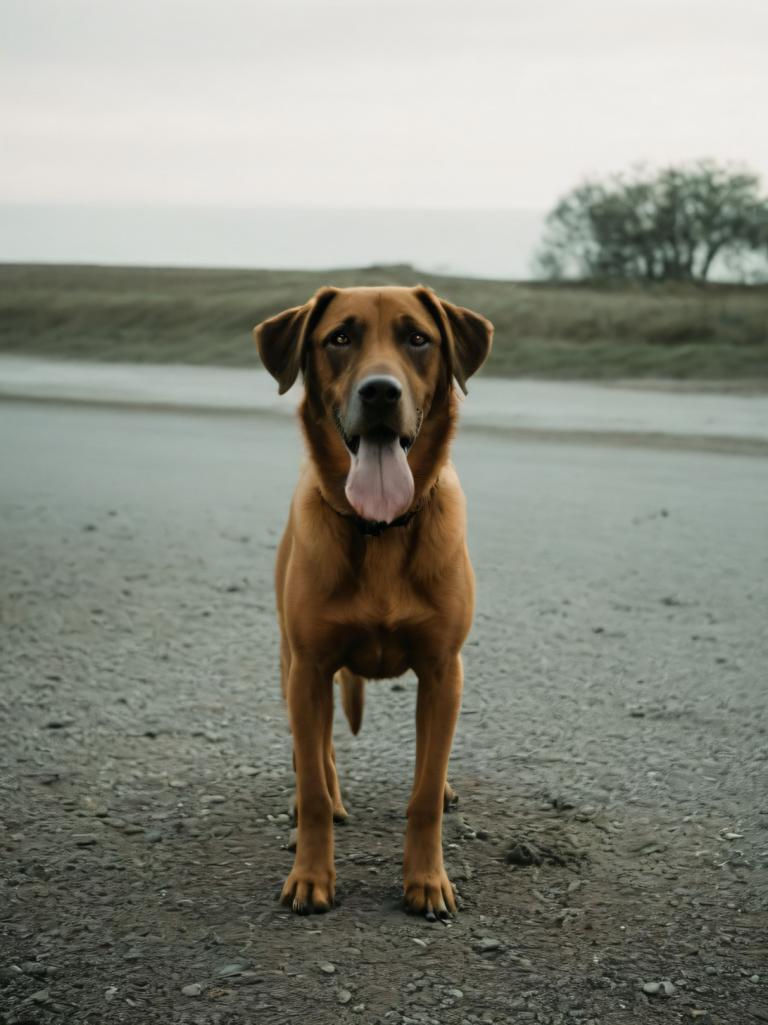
(611, 841)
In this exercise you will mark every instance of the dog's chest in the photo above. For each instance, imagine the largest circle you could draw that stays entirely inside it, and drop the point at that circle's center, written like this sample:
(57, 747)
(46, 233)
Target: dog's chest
(380, 626)
(376, 652)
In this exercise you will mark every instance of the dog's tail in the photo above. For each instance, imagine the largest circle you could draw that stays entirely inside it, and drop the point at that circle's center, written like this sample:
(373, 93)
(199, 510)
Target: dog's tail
(352, 698)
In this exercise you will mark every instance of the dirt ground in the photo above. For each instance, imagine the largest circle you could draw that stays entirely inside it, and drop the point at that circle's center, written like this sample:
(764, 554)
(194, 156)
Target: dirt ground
(611, 841)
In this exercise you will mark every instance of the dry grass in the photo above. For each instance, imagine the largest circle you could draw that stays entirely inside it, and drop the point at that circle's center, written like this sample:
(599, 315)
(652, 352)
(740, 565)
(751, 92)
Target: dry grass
(545, 330)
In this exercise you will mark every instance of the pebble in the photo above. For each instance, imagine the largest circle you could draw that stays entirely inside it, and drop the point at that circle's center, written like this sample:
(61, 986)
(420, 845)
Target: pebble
(41, 997)
(85, 839)
(194, 989)
(327, 968)
(225, 971)
(58, 722)
(661, 989)
(33, 968)
(343, 996)
(247, 978)
(486, 944)
(455, 993)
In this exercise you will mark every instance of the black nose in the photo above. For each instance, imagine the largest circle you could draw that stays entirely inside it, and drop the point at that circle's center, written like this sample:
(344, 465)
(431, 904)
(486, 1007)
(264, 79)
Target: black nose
(380, 392)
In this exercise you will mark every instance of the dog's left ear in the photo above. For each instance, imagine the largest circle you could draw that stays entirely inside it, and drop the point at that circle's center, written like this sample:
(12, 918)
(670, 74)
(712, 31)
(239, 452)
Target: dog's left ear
(466, 335)
(282, 340)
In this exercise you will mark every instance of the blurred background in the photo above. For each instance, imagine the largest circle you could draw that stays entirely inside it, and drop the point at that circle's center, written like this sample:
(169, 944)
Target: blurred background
(609, 159)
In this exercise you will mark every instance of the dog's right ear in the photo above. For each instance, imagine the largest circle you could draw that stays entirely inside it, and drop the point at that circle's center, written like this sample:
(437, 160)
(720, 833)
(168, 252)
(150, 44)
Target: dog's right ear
(282, 340)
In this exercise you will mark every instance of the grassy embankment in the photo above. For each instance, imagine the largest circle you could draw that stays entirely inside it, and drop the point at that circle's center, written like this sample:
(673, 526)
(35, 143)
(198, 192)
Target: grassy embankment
(542, 330)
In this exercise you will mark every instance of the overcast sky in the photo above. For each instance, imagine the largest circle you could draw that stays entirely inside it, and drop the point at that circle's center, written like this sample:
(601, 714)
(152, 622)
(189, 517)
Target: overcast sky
(369, 103)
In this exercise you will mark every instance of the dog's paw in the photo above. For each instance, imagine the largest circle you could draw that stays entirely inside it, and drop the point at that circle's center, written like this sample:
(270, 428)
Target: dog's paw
(450, 797)
(340, 813)
(309, 892)
(431, 894)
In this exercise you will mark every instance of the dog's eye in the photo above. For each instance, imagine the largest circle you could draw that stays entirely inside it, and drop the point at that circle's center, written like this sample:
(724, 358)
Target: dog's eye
(418, 340)
(339, 339)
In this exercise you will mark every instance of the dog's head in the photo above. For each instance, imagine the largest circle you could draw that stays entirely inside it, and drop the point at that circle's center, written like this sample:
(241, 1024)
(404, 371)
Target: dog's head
(377, 363)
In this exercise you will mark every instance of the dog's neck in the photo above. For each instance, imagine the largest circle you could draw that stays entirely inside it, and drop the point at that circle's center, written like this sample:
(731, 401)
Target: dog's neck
(429, 454)
(375, 528)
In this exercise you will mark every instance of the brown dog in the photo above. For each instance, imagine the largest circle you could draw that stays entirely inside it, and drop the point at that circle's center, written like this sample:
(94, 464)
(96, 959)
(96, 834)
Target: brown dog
(373, 576)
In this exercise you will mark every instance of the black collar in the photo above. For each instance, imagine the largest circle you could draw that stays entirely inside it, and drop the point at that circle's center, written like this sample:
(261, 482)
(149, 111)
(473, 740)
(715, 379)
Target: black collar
(374, 528)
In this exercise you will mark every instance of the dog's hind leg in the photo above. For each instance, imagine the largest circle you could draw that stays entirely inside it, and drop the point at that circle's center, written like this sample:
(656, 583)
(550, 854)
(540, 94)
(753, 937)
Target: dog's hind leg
(450, 797)
(332, 779)
(352, 692)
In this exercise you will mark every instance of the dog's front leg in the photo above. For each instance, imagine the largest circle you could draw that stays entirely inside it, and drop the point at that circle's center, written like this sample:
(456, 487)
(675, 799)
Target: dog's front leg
(426, 886)
(310, 886)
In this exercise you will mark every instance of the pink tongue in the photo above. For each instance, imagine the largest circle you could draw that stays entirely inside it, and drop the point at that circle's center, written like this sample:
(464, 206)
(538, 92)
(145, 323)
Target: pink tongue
(380, 482)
